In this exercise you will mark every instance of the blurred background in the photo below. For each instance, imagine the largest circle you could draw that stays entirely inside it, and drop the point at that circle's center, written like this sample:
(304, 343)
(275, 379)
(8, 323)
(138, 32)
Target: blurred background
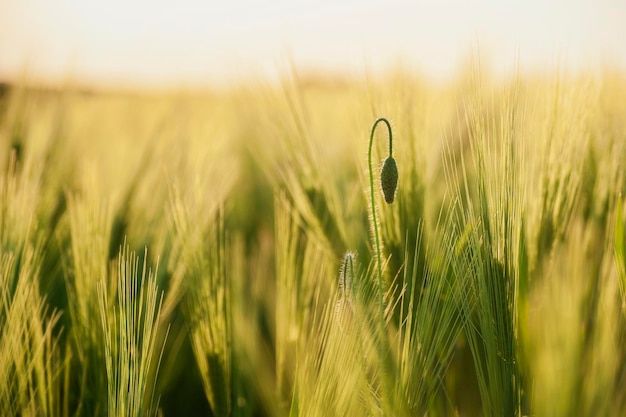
(193, 43)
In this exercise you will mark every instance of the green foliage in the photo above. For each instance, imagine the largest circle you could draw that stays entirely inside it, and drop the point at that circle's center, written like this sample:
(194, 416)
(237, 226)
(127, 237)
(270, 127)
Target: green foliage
(493, 285)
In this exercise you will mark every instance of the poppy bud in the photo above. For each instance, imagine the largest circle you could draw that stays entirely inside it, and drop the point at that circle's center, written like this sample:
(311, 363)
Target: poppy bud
(389, 179)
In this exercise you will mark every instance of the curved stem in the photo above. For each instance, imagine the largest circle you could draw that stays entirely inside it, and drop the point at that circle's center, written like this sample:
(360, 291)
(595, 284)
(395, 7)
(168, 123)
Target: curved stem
(381, 304)
(372, 197)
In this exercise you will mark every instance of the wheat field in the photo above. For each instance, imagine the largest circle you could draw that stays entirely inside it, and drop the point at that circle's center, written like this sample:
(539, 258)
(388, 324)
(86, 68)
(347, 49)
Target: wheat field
(224, 254)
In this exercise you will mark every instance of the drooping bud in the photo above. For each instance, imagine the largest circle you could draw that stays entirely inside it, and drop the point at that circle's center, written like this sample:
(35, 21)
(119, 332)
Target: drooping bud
(346, 272)
(344, 309)
(389, 179)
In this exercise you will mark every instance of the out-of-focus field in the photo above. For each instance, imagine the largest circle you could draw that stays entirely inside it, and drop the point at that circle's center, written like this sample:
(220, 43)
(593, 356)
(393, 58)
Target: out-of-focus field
(213, 254)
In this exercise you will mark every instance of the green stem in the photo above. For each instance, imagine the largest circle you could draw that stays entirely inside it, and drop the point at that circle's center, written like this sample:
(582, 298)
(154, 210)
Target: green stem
(381, 303)
(373, 199)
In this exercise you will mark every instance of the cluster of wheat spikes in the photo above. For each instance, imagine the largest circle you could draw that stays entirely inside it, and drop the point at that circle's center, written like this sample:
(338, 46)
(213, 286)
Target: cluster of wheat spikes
(196, 254)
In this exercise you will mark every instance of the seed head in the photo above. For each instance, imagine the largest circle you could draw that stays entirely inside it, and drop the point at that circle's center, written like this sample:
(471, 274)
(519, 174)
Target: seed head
(346, 272)
(389, 179)
(343, 308)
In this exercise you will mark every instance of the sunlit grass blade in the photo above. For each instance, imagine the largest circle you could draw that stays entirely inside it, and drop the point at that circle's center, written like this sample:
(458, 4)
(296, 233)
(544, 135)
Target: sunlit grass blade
(620, 252)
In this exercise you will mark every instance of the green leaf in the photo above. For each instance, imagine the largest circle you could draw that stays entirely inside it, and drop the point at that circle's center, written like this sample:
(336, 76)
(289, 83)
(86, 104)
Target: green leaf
(620, 252)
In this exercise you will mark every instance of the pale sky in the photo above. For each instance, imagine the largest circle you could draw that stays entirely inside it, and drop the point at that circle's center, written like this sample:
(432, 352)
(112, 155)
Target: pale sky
(192, 42)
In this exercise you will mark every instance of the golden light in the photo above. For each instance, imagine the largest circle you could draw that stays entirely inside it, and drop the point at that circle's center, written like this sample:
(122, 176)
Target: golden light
(151, 43)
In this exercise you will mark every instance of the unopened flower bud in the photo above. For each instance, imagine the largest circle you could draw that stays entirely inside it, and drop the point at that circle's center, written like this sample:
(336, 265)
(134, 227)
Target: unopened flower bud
(389, 179)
